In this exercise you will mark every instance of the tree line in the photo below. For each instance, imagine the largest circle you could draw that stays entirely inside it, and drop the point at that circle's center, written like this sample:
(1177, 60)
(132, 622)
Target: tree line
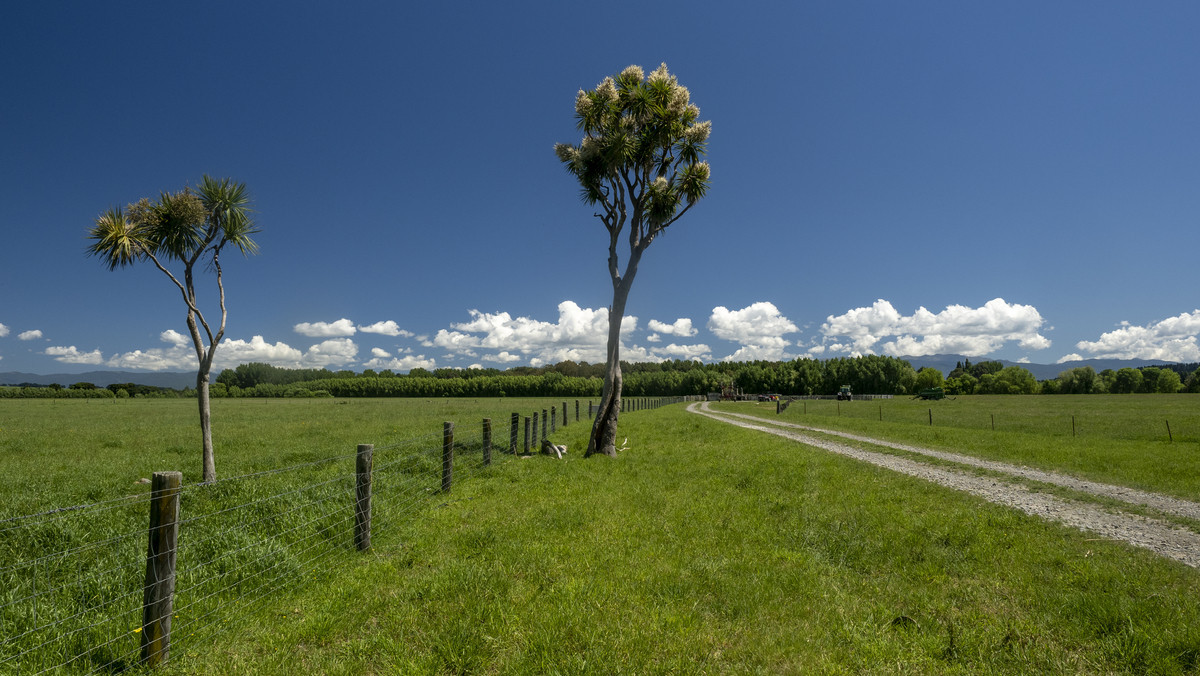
(870, 374)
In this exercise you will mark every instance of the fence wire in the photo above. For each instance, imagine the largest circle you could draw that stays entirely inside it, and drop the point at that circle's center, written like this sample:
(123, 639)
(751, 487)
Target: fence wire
(72, 579)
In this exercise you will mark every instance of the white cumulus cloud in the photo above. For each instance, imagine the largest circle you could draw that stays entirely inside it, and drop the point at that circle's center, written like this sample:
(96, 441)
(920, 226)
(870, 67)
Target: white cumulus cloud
(681, 327)
(957, 329)
(332, 352)
(29, 335)
(1170, 339)
(231, 353)
(3, 330)
(340, 328)
(386, 328)
(71, 355)
(759, 328)
(579, 334)
(400, 364)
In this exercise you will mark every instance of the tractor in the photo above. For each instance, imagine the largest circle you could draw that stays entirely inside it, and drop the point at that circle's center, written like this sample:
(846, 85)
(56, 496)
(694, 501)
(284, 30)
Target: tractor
(844, 393)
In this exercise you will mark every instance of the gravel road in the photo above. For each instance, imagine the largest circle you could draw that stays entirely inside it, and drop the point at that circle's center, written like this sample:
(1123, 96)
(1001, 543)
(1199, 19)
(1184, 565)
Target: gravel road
(1159, 536)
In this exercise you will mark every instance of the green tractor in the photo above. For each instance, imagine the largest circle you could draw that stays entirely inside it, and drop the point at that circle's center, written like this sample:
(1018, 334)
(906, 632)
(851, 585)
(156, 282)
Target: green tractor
(932, 393)
(844, 393)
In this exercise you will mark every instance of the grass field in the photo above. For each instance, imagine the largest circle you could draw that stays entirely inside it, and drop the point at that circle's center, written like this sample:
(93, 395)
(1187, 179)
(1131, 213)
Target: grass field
(1119, 439)
(702, 549)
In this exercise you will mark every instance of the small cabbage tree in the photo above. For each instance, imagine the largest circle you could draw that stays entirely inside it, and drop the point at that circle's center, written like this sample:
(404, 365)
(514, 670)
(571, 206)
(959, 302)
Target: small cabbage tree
(640, 163)
(185, 229)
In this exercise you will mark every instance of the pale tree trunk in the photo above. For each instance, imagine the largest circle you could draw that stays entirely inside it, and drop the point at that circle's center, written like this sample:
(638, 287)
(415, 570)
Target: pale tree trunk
(202, 395)
(604, 427)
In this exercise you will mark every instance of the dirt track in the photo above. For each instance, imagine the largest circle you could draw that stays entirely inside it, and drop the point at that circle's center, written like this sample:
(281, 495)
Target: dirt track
(1159, 536)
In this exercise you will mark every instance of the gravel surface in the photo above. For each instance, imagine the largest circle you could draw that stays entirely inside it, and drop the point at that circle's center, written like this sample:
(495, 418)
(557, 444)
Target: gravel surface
(1158, 536)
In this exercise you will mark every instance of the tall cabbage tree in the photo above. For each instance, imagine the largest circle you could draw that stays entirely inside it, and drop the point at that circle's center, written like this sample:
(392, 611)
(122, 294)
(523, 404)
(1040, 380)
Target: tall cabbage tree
(183, 230)
(640, 165)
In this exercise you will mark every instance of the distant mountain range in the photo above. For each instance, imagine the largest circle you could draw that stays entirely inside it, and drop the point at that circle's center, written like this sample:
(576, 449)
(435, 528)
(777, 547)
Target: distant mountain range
(178, 381)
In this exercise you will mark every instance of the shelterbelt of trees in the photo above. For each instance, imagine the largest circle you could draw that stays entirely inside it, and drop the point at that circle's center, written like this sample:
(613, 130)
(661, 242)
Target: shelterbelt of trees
(801, 377)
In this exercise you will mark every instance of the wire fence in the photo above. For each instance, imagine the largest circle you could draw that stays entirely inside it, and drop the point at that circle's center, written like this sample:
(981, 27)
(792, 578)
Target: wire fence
(76, 583)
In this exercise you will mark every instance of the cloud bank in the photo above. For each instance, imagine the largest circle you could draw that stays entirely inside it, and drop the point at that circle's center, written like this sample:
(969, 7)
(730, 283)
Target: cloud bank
(758, 328)
(956, 330)
(1171, 339)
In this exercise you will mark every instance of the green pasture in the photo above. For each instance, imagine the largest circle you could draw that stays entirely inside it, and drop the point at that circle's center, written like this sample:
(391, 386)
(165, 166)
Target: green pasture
(704, 548)
(1119, 439)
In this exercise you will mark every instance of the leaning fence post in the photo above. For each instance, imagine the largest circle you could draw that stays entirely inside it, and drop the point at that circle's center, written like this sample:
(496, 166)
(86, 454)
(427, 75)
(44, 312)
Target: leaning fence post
(487, 441)
(362, 491)
(158, 594)
(447, 456)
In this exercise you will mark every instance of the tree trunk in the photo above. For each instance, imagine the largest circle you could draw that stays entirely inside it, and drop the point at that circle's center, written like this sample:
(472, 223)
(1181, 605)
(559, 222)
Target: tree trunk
(604, 427)
(202, 396)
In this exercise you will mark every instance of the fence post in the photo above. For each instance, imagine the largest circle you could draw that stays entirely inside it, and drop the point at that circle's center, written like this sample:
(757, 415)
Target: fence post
(553, 420)
(487, 441)
(158, 593)
(527, 435)
(513, 433)
(362, 491)
(564, 410)
(544, 418)
(589, 409)
(576, 410)
(447, 456)
(535, 425)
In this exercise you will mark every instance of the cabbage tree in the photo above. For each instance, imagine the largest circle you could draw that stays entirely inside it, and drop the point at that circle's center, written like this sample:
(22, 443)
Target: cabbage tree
(640, 165)
(183, 230)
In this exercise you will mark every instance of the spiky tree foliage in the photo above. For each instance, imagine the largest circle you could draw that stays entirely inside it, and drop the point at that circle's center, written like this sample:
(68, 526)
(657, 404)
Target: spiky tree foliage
(640, 164)
(183, 229)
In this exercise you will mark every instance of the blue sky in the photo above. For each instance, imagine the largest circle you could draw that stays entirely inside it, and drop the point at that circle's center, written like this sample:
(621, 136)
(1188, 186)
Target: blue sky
(1014, 180)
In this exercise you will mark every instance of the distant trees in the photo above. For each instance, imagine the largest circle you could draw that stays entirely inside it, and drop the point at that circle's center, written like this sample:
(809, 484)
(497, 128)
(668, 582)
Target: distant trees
(187, 228)
(929, 378)
(1144, 380)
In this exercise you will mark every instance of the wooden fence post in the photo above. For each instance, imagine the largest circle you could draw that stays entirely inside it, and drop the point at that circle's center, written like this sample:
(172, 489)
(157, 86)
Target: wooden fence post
(526, 434)
(564, 411)
(513, 433)
(535, 425)
(447, 456)
(487, 441)
(553, 420)
(544, 418)
(931, 417)
(576, 410)
(362, 491)
(1169, 437)
(158, 592)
